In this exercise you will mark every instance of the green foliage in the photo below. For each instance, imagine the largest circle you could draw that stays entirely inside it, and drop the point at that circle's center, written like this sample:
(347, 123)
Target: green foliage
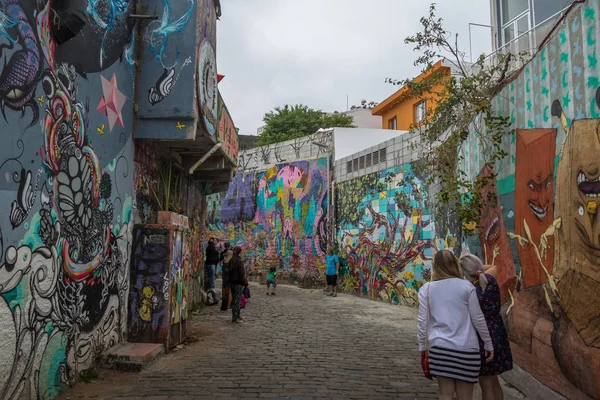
(290, 122)
(463, 106)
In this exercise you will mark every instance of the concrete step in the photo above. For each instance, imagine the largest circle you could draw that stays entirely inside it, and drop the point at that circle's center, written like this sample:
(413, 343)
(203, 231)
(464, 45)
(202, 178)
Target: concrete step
(131, 357)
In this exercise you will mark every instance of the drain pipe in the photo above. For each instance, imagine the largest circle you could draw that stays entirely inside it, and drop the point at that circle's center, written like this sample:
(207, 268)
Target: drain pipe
(204, 158)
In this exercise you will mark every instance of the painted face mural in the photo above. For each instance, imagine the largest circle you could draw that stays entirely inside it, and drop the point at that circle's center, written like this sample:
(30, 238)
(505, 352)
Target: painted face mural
(534, 193)
(492, 235)
(577, 266)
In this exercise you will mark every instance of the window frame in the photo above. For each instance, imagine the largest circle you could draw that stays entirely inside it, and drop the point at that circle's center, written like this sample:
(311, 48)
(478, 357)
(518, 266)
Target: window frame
(416, 111)
(393, 122)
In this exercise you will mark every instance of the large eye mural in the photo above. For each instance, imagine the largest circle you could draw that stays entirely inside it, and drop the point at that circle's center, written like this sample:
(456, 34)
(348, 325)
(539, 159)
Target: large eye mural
(21, 57)
(207, 86)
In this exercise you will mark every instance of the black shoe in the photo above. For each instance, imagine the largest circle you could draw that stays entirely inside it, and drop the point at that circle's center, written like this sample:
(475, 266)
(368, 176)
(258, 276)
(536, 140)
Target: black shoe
(268, 294)
(272, 294)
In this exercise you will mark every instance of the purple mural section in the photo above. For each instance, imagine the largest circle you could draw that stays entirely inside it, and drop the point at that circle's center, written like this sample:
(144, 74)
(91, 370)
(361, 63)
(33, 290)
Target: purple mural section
(240, 202)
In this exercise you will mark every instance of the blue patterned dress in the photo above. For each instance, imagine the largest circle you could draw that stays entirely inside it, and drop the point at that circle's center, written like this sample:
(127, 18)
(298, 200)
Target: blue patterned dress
(489, 301)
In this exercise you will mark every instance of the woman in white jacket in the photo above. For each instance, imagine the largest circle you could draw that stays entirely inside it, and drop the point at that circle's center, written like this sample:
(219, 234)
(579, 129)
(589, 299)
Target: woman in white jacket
(449, 320)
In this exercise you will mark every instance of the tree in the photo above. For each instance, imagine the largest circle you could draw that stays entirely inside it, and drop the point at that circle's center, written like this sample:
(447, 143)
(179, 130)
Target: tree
(463, 108)
(290, 122)
(367, 105)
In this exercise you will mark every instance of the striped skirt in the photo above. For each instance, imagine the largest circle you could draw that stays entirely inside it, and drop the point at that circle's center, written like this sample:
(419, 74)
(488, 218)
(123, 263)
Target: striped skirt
(462, 365)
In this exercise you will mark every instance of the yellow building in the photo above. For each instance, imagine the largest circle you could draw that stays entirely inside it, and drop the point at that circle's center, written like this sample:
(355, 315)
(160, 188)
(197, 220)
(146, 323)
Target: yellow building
(401, 110)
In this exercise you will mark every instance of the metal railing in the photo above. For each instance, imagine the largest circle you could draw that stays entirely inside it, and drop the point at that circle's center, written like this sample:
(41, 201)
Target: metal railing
(526, 44)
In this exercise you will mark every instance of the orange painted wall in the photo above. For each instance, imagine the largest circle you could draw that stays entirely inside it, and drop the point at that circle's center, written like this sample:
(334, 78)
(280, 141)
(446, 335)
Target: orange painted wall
(404, 110)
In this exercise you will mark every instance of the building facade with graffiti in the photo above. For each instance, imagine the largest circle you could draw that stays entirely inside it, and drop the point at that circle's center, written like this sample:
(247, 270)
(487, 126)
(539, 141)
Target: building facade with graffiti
(276, 208)
(74, 178)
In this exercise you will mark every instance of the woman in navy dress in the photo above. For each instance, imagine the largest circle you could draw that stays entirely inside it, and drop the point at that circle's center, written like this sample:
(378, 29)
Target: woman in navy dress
(488, 292)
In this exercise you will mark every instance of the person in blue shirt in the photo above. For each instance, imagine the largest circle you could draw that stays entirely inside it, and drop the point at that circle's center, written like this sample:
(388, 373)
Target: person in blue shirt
(331, 271)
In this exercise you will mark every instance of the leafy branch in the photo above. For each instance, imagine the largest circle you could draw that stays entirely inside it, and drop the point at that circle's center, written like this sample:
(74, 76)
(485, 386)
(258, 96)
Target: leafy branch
(459, 98)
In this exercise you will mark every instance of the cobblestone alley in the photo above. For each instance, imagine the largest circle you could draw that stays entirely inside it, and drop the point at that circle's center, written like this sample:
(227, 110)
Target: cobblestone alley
(299, 344)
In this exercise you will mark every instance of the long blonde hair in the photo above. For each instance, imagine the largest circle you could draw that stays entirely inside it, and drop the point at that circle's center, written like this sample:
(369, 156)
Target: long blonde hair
(445, 266)
(472, 268)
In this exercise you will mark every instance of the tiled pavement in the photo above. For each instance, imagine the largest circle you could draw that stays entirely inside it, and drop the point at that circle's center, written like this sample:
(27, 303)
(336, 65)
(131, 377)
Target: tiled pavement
(299, 344)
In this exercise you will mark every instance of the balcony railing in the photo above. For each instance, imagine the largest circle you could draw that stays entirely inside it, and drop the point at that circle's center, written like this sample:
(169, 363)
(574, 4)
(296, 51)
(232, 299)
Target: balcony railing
(527, 43)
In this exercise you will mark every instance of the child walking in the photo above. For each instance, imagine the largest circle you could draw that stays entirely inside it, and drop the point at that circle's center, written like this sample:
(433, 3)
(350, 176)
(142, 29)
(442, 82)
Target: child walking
(331, 271)
(271, 281)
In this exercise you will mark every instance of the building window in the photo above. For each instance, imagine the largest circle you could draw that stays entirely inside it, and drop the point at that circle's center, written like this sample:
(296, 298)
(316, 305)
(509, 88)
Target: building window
(368, 162)
(349, 167)
(514, 19)
(392, 124)
(355, 164)
(375, 158)
(420, 111)
(361, 162)
(382, 154)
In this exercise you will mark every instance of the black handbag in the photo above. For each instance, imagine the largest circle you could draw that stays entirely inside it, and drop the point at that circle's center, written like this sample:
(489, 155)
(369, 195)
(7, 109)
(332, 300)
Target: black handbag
(246, 292)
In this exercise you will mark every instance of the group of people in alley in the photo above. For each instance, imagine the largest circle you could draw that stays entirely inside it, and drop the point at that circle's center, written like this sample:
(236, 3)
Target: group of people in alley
(235, 290)
(461, 335)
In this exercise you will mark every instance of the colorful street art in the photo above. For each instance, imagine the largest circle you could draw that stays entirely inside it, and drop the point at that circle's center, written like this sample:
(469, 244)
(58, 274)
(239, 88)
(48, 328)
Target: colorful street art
(386, 234)
(547, 192)
(66, 190)
(227, 133)
(278, 216)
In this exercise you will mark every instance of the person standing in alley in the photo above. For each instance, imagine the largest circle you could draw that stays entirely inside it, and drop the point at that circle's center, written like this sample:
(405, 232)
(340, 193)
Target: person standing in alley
(226, 256)
(237, 281)
(448, 323)
(488, 293)
(210, 264)
(331, 271)
(271, 281)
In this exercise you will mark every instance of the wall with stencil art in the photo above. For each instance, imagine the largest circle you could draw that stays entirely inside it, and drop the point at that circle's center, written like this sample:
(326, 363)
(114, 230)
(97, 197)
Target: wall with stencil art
(66, 190)
(386, 234)
(542, 229)
(279, 216)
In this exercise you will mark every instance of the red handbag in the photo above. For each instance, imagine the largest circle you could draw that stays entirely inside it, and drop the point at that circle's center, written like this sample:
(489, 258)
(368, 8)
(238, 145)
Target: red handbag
(425, 364)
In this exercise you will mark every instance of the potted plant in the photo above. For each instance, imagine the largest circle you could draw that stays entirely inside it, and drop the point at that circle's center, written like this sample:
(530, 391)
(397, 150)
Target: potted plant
(170, 211)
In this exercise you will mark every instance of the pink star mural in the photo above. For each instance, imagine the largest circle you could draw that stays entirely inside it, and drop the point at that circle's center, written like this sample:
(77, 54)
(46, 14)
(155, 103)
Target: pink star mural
(112, 102)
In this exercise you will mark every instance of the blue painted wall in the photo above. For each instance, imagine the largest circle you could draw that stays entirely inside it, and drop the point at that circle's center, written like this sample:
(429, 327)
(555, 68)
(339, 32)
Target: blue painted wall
(168, 81)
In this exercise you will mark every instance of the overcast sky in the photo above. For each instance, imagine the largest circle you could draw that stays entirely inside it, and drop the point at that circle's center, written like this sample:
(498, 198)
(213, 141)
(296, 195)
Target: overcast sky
(315, 52)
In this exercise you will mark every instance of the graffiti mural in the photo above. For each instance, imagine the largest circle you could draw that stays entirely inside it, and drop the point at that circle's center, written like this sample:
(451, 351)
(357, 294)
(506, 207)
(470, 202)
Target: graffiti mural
(492, 234)
(227, 133)
(534, 204)
(278, 216)
(386, 234)
(547, 190)
(22, 69)
(66, 190)
(148, 300)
